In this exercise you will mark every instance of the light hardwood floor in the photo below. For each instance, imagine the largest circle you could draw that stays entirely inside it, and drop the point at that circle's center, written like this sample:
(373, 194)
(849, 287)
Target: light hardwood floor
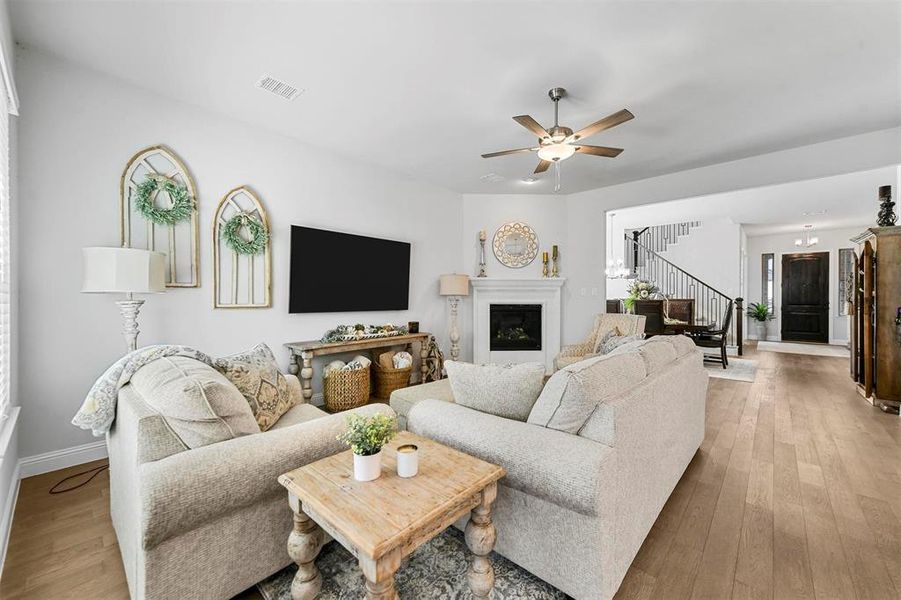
(795, 493)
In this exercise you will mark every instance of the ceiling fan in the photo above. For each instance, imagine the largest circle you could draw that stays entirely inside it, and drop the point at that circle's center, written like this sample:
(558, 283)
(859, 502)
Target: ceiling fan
(559, 143)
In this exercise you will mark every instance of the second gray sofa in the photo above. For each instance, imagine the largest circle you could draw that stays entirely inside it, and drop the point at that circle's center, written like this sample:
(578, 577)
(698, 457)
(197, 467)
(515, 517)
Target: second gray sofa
(576, 506)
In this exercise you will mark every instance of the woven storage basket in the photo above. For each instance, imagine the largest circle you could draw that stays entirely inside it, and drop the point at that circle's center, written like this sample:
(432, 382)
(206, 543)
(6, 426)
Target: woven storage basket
(388, 380)
(343, 390)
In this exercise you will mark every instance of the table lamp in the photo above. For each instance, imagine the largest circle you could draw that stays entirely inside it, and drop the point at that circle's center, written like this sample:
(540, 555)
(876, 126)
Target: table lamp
(454, 286)
(126, 271)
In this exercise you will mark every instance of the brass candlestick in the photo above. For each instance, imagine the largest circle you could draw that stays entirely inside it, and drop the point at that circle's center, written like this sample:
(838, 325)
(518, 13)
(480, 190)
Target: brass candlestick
(544, 264)
(482, 237)
(554, 272)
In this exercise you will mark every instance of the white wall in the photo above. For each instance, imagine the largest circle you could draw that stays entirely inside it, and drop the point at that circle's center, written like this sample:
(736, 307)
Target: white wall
(77, 130)
(829, 241)
(710, 252)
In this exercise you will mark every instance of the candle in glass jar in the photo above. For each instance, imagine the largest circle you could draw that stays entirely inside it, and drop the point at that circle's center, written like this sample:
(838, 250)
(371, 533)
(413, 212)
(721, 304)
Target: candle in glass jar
(483, 236)
(407, 460)
(554, 251)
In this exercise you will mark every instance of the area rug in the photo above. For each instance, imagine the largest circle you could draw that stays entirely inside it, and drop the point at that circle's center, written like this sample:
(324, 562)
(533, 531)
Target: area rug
(437, 570)
(739, 369)
(812, 349)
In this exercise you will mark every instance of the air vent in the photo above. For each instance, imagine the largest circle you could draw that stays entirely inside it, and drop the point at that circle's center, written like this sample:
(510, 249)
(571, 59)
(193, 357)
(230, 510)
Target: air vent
(278, 87)
(492, 178)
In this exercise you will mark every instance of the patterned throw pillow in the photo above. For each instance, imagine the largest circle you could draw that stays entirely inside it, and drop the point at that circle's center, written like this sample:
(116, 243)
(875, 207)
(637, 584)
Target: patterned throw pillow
(616, 341)
(256, 375)
(602, 340)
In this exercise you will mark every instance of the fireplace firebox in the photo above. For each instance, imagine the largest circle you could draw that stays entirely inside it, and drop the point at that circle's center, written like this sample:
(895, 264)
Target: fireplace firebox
(515, 326)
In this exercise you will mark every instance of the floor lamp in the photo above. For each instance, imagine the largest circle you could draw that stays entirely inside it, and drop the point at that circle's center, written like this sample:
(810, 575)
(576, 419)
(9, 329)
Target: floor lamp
(454, 286)
(126, 271)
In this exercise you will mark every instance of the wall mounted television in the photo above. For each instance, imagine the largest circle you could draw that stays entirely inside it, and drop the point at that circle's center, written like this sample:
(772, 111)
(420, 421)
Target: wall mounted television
(341, 272)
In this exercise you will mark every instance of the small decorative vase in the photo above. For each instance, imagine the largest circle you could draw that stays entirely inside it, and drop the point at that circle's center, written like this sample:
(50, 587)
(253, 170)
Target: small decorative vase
(761, 330)
(367, 468)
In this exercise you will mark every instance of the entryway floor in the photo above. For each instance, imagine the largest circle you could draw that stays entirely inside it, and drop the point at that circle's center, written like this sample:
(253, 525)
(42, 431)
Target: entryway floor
(811, 349)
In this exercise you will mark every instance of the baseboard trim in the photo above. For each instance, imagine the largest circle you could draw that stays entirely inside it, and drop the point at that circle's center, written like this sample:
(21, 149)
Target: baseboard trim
(9, 509)
(61, 459)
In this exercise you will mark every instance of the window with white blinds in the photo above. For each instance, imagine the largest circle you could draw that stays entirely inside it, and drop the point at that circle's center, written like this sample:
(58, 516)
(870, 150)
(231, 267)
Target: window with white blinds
(5, 260)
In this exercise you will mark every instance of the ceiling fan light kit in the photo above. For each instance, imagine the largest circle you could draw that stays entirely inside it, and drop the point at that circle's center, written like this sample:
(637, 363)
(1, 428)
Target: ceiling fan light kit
(559, 143)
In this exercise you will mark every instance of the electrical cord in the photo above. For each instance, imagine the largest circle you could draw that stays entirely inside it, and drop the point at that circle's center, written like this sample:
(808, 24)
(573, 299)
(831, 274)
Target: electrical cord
(95, 471)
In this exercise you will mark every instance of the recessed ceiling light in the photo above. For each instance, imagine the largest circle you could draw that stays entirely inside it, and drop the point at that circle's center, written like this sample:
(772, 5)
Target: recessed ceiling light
(530, 180)
(491, 178)
(814, 213)
(278, 87)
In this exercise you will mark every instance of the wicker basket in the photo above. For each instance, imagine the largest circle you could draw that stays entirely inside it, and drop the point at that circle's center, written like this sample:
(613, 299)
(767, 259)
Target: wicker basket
(343, 390)
(388, 380)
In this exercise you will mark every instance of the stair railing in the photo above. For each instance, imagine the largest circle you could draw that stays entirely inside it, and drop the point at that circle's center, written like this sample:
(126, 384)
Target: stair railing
(674, 282)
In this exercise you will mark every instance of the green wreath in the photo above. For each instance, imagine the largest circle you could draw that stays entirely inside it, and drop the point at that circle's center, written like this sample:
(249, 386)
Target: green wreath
(259, 235)
(182, 203)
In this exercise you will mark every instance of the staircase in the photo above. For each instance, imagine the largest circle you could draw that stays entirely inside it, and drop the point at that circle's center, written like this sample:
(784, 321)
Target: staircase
(657, 238)
(673, 282)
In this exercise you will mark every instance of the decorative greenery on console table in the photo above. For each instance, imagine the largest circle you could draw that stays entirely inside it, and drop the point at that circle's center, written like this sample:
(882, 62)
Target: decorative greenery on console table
(259, 234)
(343, 333)
(182, 203)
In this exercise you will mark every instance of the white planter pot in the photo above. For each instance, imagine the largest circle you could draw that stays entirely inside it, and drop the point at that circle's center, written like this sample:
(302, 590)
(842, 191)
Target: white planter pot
(761, 329)
(367, 468)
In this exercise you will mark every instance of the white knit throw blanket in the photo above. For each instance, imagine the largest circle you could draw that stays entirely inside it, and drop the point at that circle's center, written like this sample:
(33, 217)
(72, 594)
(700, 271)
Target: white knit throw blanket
(98, 411)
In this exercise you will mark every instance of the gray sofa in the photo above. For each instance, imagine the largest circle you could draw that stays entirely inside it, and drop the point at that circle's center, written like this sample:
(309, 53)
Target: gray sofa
(574, 508)
(208, 522)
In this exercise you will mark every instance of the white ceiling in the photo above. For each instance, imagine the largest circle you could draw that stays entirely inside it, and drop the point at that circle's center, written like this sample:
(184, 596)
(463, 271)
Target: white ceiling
(848, 200)
(424, 88)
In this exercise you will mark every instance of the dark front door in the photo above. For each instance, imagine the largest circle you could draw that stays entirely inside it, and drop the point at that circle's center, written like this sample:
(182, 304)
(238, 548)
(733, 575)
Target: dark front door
(805, 297)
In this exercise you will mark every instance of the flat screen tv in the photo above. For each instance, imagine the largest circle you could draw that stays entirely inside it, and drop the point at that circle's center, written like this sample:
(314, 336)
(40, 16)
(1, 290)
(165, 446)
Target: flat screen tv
(341, 272)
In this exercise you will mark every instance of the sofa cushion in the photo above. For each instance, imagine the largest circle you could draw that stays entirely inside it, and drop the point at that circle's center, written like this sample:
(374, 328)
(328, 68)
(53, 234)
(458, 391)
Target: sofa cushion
(256, 374)
(572, 393)
(198, 404)
(507, 391)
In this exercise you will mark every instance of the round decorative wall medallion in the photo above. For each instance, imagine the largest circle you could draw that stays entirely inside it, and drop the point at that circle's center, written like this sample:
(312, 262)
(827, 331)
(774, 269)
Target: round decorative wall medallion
(515, 245)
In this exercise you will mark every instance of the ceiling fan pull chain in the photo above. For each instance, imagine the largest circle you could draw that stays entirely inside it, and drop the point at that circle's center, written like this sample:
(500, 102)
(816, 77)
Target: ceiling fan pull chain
(556, 176)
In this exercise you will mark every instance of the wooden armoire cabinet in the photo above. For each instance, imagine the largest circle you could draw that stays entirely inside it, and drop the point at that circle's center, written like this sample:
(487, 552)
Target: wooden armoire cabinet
(875, 334)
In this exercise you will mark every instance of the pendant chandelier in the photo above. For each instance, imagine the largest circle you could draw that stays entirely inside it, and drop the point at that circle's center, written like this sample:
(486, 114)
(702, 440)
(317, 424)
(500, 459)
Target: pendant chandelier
(616, 270)
(808, 240)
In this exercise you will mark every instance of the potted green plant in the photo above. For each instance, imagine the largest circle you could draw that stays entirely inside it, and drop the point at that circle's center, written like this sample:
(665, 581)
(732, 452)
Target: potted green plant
(366, 435)
(760, 313)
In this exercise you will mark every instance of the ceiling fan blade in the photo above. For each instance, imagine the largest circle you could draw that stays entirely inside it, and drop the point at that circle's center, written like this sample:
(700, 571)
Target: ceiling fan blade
(599, 151)
(506, 152)
(606, 123)
(542, 166)
(532, 125)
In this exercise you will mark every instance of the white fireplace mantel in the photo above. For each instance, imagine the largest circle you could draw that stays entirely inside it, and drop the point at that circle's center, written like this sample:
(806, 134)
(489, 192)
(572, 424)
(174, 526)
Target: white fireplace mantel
(494, 290)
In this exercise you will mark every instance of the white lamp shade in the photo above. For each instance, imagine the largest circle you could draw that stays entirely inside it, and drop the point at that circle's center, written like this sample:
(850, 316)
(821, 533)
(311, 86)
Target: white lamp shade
(123, 270)
(454, 285)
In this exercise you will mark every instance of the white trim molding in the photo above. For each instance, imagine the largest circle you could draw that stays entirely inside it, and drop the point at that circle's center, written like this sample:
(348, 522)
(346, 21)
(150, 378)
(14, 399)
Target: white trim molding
(61, 459)
(9, 509)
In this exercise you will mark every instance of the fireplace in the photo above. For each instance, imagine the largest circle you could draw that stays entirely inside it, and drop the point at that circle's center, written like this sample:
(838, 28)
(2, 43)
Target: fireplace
(515, 327)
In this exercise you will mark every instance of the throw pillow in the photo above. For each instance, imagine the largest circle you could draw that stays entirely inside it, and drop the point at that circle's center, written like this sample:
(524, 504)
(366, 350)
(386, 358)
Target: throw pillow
(256, 375)
(507, 391)
(198, 403)
(618, 340)
(602, 340)
(573, 393)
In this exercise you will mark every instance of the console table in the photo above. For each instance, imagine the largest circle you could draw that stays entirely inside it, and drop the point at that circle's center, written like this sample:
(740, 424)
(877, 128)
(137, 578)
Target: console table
(302, 353)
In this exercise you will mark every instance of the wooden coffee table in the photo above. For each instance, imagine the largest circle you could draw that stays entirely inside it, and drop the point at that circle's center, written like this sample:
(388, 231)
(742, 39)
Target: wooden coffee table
(382, 522)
